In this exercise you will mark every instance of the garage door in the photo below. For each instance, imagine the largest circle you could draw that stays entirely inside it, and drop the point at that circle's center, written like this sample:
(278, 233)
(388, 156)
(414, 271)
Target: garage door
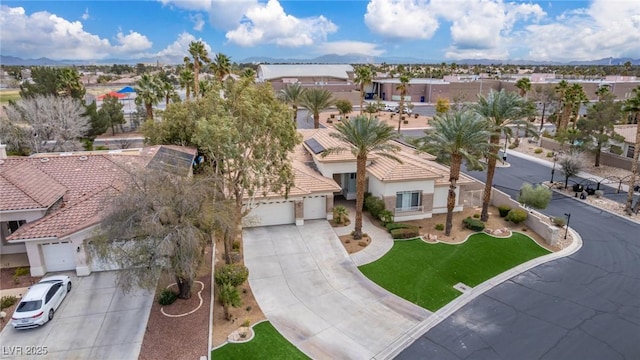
(274, 213)
(59, 256)
(315, 208)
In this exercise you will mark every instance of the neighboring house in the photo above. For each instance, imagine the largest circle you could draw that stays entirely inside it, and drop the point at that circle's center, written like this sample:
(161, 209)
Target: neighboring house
(414, 189)
(628, 132)
(51, 203)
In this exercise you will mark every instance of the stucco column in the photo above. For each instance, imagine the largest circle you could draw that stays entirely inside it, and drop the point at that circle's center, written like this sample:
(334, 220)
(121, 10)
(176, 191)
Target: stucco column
(36, 261)
(390, 203)
(427, 202)
(299, 210)
(329, 206)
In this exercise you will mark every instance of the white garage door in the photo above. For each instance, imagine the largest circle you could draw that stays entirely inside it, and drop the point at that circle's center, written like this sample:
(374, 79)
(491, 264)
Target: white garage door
(59, 256)
(315, 208)
(279, 213)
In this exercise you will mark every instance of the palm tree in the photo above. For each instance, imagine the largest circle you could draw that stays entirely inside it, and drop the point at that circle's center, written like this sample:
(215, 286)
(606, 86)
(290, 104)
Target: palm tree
(499, 109)
(200, 57)
(315, 101)
(249, 73)
(186, 81)
(221, 66)
(402, 87)
(363, 136)
(455, 137)
(632, 106)
(292, 95)
(524, 85)
(364, 76)
(69, 83)
(149, 92)
(168, 91)
(205, 87)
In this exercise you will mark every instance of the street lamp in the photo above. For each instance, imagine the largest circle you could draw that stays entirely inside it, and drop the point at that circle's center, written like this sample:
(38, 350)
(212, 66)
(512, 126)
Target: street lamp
(504, 153)
(568, 215)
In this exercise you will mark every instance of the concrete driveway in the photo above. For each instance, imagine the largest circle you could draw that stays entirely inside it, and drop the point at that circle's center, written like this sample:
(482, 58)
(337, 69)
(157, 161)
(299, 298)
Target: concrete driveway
(95, 321)
(312, 292)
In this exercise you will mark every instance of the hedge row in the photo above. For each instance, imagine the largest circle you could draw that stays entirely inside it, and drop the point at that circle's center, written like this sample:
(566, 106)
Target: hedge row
(404, 233)
(473, 224)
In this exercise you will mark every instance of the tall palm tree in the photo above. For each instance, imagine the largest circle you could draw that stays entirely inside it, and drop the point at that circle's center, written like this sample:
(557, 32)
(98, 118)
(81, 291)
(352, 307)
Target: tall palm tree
(221, 66)
(632, 106)
(249, 73)
(316, 100)
(205, 87)
(362, 136)
(200, 57)
(524, 85)
(69, 83)
(402, 87)
(168, 91)
(364, 76)
(186, 81)
(292, 95)
(455, 137)
(499, 109)
(148, 92)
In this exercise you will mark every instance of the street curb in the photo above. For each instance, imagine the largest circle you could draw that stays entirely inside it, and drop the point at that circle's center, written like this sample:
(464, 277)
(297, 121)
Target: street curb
(597, 207)
(398, 346)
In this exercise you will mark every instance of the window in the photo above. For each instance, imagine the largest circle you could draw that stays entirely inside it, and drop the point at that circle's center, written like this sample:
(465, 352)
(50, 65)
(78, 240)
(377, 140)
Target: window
(29, 306)
(408, 201)
(15, 225)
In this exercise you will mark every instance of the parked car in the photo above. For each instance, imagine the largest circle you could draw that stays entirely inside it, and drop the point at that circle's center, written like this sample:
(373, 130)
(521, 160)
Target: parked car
(391, 108)
(407, 110)
(41, 301)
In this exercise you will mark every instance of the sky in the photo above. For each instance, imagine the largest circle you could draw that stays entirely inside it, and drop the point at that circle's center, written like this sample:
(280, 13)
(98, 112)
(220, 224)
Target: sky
(442, 30)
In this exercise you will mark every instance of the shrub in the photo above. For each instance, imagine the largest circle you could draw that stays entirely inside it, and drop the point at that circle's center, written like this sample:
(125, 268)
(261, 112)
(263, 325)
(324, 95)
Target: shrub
(246, 323)
(517, 216)
(537, 197)
(229, 297)
(473, 224)
(393, 226)
(167, 297)
(404, 233)
(374, 205)
(100, 147)
(21, 271)
(559, 221)
(538, 151)
(233, 274)
(439, 227)
(7, 301)
(476, 216)
(513, 146)
(340, 214)
(598, 193)
(236, 245)
(504, 210)
(550, 154)
(547, 134)
(367, 195)
(386, 216)
(615, 149)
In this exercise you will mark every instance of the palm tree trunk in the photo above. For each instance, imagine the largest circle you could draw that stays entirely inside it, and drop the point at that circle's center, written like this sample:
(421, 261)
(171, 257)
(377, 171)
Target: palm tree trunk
(361, 163)
(316, 120)
(361, 98)
(295, 112)
(401, 111)
(196, 73)
(188, 92)
(454, 174)
(491, 169)
(149, 111)
(634, 171)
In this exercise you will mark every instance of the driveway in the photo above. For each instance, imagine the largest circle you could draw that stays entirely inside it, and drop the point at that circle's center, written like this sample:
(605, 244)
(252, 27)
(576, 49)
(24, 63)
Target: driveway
(95, 321)
(312, 292)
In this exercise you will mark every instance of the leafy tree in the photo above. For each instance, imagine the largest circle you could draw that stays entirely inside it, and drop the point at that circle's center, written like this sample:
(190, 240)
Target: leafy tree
(316, 100)
(442, 106)
(292, 95)
(403, 87)
(45, 82)
(364, 76)
(111, 113)
(363, 136)
(178, 125)
(456, 137)
(149, 92)
(597, 128)
(632, 107)
(200, 57)
(344, 106)
(98, 125)
(221, 66)
(158, 223)
(570, 165)
(247, 136)
(499, 109)
(537, 197)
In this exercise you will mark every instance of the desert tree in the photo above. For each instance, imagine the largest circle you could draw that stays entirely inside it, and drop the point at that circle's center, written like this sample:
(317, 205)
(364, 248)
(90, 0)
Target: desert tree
(534, 196)
(363, 136)
(111, 113)
(571, 164)
(597, 128)
(247, 136)
(52, 81)
(456, 137)
(178, 126)
(344, 106)
(159, 223)
(316, 100)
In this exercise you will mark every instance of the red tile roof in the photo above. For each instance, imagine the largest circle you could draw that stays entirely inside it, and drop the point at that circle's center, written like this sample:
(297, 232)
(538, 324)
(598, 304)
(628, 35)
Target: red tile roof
(27, 187)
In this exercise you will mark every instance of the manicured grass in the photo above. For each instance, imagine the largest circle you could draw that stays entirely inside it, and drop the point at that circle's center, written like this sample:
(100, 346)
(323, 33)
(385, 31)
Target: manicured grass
(7, 95)
(266, 344)
(425, 273)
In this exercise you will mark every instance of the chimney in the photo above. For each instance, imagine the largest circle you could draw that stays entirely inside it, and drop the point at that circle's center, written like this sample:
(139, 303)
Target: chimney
(3, 151)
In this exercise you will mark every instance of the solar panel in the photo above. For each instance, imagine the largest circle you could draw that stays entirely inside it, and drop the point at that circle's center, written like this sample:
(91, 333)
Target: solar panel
(315, 146)
(173, 161)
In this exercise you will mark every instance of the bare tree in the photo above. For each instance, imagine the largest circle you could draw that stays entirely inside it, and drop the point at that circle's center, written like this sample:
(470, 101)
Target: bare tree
(570, 165)
(55, 123)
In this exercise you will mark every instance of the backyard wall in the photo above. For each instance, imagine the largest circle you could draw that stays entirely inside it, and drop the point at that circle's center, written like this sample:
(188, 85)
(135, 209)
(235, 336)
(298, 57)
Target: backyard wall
(606, 158)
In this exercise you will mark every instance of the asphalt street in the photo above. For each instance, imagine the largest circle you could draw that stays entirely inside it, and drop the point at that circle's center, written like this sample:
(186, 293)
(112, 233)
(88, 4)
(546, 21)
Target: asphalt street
(585, 306)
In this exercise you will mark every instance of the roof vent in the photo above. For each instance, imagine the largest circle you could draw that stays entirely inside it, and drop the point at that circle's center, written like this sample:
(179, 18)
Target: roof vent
(66, 154)
(44, 160)
(82, 158)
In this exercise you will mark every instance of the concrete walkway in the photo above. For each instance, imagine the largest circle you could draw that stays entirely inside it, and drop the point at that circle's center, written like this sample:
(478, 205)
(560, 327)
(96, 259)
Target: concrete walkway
(310, 289)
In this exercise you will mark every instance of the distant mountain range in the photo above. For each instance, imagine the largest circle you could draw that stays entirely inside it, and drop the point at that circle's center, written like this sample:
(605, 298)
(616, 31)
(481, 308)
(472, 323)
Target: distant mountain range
(324, 59)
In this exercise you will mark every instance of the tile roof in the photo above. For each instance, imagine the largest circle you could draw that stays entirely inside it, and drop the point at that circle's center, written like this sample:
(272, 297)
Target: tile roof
(324, 138)
(27, 187)
(307, 181)
(628, 132)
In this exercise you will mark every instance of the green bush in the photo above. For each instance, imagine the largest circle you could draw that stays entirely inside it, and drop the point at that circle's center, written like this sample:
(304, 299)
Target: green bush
(550, 154)
(236, 245)
(439, 227)
(100, 147)
(386, 217)
(473, 224)
(374, 206)
(404, 233)
(7, 301)
(504, 210)
(393, 226)
(538, 151)
(167, 297)
(234, 274)
(615, 149)
(559, 221)
(517, 216)
(21, 271)
(476, 216)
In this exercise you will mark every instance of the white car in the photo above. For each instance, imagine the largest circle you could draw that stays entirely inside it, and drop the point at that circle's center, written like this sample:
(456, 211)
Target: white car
(406, 110)
(390, 108)
(41, 301)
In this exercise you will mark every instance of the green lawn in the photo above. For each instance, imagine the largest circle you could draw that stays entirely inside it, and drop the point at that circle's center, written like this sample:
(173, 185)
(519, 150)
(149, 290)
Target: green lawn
(425, 273)
(7, 95)
(266, 344)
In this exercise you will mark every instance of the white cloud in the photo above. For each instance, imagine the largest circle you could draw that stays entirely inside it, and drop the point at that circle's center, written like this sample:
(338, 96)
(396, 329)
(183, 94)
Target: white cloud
(175, 52)
(349, 47)
(269, 24)
(85, 15)
(42, 34)
(198, 22)
(223, 14)
(401, 19)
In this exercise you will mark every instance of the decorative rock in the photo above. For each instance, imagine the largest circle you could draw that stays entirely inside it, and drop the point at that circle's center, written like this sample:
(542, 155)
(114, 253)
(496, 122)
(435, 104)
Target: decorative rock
(362, 243)
(433, 237)
(497, 232)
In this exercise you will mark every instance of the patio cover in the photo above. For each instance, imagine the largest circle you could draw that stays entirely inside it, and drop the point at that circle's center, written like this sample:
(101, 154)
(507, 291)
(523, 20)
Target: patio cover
(126, 89)
(112, 94)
